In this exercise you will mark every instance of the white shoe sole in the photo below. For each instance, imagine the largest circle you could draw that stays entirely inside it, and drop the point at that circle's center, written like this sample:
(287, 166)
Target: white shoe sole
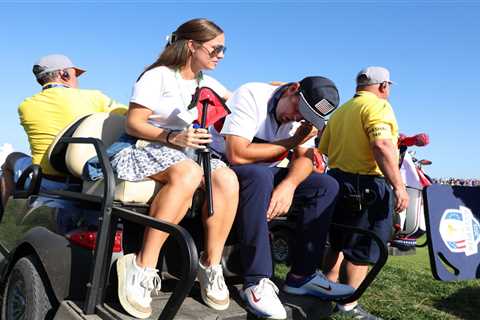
(213, 305)
(257, 313)
(122, 296)
(263, 316)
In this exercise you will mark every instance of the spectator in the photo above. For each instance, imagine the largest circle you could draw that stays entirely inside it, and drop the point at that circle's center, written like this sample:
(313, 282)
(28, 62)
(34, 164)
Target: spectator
(458, 181)
(360, 141)
(46, 114)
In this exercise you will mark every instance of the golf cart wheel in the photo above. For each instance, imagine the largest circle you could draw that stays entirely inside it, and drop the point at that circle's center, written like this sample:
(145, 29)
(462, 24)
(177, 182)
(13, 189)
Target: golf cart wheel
(25, 296)
(282, 246)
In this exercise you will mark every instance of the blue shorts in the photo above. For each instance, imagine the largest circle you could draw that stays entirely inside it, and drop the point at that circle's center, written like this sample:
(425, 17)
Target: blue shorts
(23, 163)
(375, 215)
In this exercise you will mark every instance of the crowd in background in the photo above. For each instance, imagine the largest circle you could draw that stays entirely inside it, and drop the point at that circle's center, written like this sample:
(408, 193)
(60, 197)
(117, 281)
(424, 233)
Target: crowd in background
(457, 181)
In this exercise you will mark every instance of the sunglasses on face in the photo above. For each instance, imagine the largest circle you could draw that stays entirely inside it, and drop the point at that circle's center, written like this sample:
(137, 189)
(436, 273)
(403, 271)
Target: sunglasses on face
(215, 50)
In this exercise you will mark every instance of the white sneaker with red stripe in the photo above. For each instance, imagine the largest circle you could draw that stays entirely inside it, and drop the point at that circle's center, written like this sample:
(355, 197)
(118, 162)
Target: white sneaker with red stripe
(262, 300)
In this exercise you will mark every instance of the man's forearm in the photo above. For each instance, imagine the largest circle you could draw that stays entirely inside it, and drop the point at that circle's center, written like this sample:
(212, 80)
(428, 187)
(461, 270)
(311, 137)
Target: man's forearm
(300, 168)
(259, 152)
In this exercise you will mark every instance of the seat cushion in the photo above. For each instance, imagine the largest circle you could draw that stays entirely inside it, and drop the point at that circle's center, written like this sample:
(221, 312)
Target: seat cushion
(104, 126)
(126, 191)
(57, 151)
(108, 128)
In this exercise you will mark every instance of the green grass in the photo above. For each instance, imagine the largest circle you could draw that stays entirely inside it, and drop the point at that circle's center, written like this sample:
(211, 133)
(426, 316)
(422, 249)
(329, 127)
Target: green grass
(406, 289)
(10, 229)
(14, 225)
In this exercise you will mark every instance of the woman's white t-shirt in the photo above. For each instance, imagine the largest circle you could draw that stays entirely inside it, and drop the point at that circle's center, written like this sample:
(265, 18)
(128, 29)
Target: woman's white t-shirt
(168, 95)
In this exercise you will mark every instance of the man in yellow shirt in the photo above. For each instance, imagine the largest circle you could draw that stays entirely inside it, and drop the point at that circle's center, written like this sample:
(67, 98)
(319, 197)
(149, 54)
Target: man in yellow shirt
(47, 113)
(360, 141)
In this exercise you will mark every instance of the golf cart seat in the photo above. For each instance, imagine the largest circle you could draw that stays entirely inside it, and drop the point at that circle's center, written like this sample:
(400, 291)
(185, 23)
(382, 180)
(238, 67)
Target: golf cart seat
(70, 159)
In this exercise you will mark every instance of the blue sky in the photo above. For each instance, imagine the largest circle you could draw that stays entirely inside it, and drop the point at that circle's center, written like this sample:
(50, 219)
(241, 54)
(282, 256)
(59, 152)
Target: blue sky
(432, 49)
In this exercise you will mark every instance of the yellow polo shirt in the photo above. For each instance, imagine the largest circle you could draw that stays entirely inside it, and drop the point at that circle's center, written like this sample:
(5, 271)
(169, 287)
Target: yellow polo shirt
(46, 114)
(347, 136)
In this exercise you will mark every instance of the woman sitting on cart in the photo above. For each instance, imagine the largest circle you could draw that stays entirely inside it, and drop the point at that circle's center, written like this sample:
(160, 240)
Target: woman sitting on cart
(159, 102)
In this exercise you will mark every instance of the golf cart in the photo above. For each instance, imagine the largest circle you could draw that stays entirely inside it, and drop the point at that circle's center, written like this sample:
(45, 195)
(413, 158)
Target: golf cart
(45, 272)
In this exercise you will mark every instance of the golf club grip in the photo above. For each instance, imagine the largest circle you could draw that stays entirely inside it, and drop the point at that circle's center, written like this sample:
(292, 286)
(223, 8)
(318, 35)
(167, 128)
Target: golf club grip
(204, 114)
(207, 172)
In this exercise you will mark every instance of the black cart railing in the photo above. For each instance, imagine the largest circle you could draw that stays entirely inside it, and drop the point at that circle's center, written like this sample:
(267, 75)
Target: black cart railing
(108, 221)
(372, 274)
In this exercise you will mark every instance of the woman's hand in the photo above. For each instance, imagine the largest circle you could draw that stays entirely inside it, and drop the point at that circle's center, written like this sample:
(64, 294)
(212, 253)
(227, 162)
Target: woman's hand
(193, 138)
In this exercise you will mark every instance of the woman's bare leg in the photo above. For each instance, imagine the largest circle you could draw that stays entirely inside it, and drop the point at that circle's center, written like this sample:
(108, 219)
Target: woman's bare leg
(217, 227)
(170, 204)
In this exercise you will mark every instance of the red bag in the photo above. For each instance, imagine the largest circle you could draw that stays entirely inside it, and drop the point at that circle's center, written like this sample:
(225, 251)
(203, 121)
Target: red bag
(216, 110)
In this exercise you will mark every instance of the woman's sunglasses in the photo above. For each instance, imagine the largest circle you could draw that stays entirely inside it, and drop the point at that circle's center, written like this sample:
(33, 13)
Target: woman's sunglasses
(215, 50)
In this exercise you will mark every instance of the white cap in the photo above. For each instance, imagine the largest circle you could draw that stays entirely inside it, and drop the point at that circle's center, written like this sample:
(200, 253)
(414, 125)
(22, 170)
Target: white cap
(373, 75)
(54, 62)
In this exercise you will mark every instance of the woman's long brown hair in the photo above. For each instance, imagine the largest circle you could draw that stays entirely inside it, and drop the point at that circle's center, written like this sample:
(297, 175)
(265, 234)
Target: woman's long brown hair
(176, 52)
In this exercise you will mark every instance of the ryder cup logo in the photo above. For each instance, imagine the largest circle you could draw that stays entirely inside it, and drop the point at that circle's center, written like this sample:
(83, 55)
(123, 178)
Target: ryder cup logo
(460, 230)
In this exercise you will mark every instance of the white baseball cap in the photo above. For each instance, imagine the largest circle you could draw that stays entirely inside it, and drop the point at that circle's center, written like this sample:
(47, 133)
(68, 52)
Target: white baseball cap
(373, 75)
(54, 62)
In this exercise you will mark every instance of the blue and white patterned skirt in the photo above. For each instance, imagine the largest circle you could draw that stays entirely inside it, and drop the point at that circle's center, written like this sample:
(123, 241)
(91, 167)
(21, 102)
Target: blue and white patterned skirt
(136, 163)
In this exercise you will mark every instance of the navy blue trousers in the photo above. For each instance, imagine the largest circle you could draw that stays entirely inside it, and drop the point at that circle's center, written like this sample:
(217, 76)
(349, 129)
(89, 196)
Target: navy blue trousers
(376, 216)
(315, 197)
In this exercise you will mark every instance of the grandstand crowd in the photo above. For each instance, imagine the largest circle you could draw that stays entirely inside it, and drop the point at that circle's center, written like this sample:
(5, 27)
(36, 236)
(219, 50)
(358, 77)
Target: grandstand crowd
(457, 181)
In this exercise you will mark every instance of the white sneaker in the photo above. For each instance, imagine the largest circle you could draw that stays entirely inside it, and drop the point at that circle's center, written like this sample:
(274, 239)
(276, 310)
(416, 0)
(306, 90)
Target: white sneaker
(135, 285)
(212, 287)
(262, 300)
